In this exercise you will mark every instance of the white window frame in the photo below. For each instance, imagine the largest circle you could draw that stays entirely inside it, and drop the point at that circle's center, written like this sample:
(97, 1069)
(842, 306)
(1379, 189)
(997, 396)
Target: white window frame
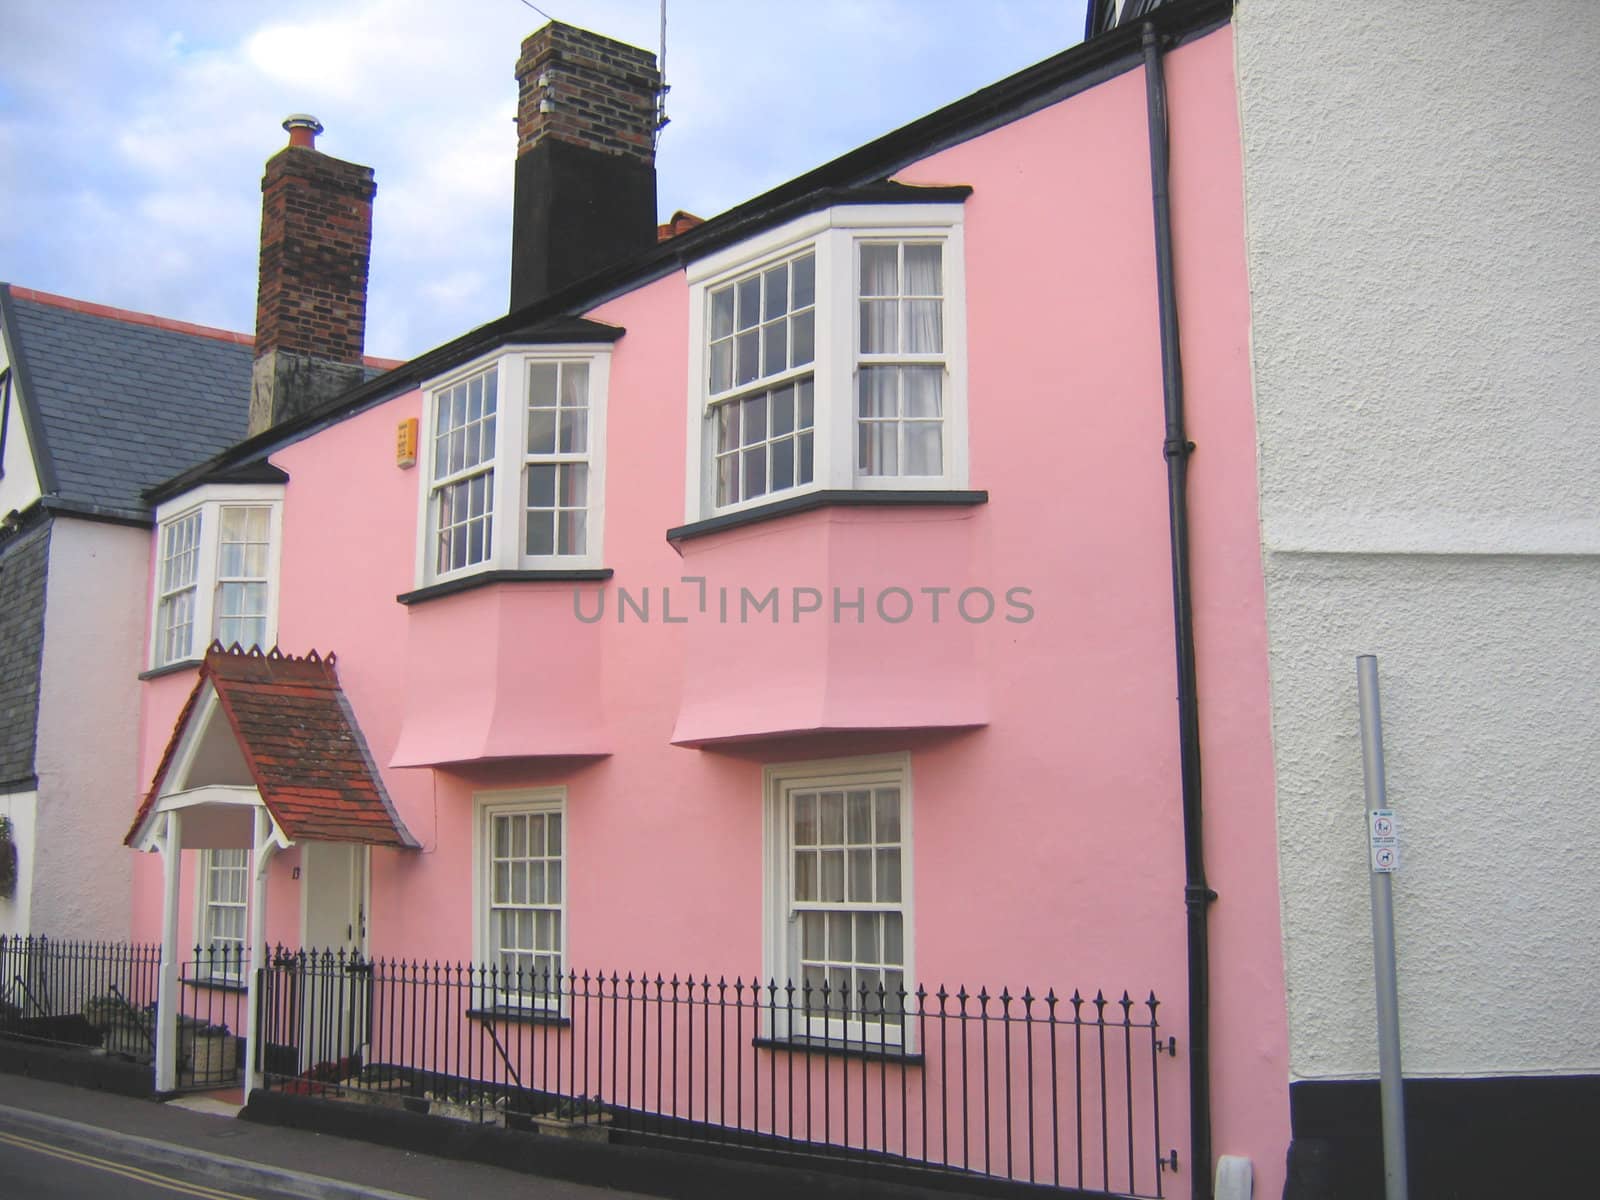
(208, 502)
(509, 529)
(205, 902)
(486, 806)
(833, 234)
(780, 939)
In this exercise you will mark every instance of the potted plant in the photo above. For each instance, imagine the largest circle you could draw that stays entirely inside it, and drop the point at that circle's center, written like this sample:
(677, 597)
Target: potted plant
(8, 859)
(581, 1119)
(123, 1028)
(213, 1053)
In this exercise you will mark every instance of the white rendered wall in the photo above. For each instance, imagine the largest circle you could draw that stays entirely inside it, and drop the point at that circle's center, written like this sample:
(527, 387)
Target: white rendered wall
(19, 483)
(87, 759)
(20, 807)
(1424, 252)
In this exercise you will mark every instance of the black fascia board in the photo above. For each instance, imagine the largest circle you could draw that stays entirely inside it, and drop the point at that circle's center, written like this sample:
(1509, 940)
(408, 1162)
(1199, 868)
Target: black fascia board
(532, 328)
(858, 176)
(22, 387)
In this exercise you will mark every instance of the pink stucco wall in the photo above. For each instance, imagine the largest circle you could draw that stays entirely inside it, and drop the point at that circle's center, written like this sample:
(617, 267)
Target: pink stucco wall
(1048, 837)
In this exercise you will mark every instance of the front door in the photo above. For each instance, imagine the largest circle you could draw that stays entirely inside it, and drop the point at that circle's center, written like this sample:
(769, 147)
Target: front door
(336, 985)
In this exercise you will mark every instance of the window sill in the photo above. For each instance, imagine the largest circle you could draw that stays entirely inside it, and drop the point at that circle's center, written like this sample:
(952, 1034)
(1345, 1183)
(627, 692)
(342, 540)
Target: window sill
(219, 984)
(171, 668)
(836, 498)
(523, 1016)
(486, 578)
(840, 1049)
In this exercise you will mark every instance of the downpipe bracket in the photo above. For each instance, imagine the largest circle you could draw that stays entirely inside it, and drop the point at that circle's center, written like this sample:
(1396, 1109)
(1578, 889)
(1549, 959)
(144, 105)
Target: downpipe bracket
(1176, 448)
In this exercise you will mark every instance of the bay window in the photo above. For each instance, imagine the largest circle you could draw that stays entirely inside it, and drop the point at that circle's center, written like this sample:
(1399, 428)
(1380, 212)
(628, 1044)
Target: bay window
(217, 552)
(515, 469)
(829, 354)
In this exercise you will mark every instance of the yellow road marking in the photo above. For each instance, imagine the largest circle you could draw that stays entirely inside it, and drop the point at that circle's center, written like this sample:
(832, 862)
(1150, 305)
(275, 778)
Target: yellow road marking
(116, 1168)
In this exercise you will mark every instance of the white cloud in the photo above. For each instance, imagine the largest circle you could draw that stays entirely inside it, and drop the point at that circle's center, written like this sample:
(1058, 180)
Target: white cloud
(132, 137)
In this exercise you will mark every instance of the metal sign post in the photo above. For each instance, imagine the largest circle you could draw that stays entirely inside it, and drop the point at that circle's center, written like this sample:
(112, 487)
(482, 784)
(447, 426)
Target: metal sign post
(1384, 847)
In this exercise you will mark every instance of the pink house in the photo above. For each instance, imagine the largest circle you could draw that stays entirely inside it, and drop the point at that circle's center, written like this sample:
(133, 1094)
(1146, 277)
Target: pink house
(787, 601)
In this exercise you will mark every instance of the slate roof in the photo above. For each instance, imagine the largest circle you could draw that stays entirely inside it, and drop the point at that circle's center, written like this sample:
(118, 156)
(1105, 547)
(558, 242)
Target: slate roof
(123, 404)
(123, 400)
(301, 743)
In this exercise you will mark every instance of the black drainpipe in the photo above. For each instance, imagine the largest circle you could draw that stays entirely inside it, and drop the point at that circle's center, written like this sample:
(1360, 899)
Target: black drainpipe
(1176, 448)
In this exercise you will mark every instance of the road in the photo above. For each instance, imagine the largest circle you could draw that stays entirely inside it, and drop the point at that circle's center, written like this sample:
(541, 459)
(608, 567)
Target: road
(34, 1167)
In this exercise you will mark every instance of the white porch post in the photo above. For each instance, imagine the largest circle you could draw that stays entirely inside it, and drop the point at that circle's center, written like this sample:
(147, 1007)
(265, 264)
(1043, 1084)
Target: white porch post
(170, 843)
(261, 856)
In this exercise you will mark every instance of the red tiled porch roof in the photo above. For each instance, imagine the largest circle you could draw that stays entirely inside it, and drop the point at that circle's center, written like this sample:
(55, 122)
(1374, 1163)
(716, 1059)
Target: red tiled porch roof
(301, 743)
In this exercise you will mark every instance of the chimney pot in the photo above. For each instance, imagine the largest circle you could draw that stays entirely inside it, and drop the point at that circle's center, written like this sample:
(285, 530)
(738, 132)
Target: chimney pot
(585, 176)
(303, 129)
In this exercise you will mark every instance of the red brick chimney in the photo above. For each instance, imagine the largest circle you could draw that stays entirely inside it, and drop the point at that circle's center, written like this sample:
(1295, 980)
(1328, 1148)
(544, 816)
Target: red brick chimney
(311, 307)
(586, 173)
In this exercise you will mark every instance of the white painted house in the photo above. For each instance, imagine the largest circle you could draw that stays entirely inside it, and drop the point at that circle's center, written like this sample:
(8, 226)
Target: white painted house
(1424, 253)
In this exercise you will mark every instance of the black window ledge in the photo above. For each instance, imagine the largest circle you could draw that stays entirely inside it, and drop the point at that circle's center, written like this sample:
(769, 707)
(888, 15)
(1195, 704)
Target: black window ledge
(839, 498)
(217, 985)
(526, 1016)
(845, 1048)
(485, 579)
(171, 668)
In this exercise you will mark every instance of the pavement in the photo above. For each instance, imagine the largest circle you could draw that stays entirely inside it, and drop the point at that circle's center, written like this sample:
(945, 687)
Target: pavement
(203, 1138)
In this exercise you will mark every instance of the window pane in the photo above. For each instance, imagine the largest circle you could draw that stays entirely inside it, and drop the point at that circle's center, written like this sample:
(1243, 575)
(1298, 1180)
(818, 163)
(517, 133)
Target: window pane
(722, 312)
(541, 431)
(777, 291)
(831, 806)
(805, 281)
(541, 532)
(813, 943)
(575, 385)
(749, 349)
(728, 425)
(552, 826)
(721, 366)
(755, 419)
(782, 464)
(832, 881)
(805, 875)
(755, 472)
(805, 820)
(888, 870)
(802, 335)
(880, 272)
(878, 390)
(574, 485)
(886, 804)
(840, 945)
(860, 877)
(867, 938)
(924, 448)
(877, 450)
(782, 411)
(804, 474)
(924, 391)
(924, 269)
(924, 326)
(572, 532)
(541, 485)
(878, 321)
(775, 338)
(893, 940)
(859, 817)
(749, 302)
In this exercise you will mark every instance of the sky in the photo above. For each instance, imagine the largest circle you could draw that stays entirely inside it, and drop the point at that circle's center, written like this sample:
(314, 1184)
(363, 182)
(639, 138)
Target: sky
(132, 135)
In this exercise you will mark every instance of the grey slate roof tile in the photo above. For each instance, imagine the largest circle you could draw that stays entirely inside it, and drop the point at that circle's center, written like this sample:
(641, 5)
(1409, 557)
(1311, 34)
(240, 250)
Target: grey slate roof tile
(127, 405)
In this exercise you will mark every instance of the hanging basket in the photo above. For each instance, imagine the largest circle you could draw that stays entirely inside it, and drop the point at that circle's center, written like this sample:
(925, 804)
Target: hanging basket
(8, 861)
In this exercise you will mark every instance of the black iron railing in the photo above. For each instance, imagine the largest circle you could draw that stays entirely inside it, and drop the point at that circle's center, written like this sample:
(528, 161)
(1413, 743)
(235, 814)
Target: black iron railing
(69, 993)
(1036, 1089)
(212, 1016)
